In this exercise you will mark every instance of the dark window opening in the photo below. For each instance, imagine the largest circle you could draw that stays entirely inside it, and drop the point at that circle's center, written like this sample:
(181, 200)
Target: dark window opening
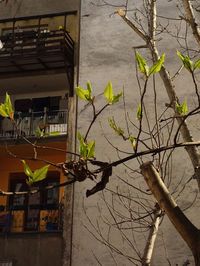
(38, 104)
(32, 212)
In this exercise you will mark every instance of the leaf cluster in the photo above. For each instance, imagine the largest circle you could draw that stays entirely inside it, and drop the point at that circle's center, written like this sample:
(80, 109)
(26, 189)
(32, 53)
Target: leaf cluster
(116, 128)
(188, 63)
(35, 176)
(85, 94)
(182, 108)
(145, 69)
(6, 108)
(86, 149)
(139, 112)
(119, 131)
(109, 94)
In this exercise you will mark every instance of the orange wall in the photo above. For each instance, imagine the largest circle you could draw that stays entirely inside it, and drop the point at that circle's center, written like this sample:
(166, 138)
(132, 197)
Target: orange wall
(10, 164)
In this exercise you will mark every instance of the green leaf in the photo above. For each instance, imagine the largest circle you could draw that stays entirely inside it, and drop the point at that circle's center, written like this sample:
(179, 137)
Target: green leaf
(85, 94)
(89, 88)
(86, 150)
(139, 112)
(133, 141)
(178, 108)
(188, 64)
(40, 174)
(27, 169)
(83, 150)
(117, 129)
(182, 109)
(157, 66)
(37, 175)
(116, 97)
(143, 67)
(39, 132)
(180, 55)
(91, 149)
(108, 93)
(3, 110)
(82, 93)
(8, 106)
(82, 146)
(197, 64)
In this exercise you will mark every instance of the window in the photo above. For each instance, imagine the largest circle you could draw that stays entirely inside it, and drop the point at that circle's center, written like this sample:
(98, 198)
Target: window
(28, 210)
(38, 104)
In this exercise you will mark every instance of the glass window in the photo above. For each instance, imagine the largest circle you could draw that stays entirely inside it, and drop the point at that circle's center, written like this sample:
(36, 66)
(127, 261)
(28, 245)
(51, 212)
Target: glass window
(33, 204)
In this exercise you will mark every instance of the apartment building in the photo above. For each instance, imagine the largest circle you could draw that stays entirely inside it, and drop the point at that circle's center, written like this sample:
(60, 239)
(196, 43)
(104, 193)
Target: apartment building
(38, 69)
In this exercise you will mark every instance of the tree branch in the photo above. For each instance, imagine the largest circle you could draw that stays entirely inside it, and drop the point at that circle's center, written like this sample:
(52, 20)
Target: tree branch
(182, 224)
(167, 81)
(190, 18)
(123, 15)
(148, 251)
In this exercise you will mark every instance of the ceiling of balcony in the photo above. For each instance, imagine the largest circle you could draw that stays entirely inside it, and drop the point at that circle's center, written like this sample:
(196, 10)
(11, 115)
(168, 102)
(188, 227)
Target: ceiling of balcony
(39, 83)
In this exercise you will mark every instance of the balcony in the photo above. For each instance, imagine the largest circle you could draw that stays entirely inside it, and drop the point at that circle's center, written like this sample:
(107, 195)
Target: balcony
(35, 124)
(32, 50)
(37, 45)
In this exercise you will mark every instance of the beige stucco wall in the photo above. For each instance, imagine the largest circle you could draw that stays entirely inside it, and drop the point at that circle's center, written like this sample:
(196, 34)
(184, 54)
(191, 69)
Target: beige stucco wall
(106, 53)
(20, 8)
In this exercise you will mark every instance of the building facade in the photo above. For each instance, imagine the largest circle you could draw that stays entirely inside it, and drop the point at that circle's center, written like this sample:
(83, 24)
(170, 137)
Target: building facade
(48, 48)
(38, 70)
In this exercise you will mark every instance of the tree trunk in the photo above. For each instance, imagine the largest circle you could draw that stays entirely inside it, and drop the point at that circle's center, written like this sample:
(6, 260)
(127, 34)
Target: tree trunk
(186, 229)
(148, 251)
(190, 18)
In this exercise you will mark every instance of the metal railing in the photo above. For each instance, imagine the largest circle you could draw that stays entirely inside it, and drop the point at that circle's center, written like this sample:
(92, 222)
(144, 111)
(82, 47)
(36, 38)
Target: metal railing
(37, 45)
(35, 124)
(35, 42)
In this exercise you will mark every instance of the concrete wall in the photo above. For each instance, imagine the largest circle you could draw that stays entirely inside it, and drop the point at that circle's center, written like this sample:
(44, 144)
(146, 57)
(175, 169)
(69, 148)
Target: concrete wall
(106, 53)
(32, 249)
(28, 8)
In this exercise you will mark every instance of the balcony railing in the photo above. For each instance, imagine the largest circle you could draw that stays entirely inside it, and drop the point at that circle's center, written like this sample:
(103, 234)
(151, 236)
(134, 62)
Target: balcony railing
(43, 220)
(37, 45)
(35, 124)
(22, 45)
